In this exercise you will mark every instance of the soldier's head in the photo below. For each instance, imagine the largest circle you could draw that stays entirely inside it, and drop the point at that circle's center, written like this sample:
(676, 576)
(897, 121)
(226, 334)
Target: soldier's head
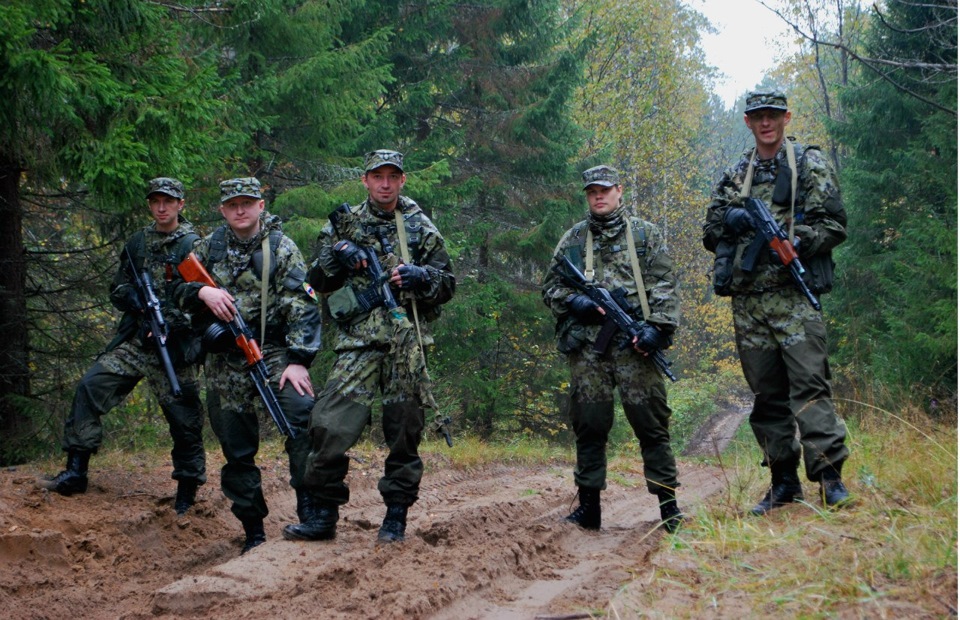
(241, 204)
(165, 199)
(601, 185)
(766, 115)
(383, 177)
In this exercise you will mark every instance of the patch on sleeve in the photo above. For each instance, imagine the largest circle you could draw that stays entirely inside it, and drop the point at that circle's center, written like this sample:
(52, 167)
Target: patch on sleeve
(309, 289)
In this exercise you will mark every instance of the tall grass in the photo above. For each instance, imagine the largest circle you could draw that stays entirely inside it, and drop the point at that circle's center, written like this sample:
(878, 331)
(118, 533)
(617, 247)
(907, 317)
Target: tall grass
(892, 555)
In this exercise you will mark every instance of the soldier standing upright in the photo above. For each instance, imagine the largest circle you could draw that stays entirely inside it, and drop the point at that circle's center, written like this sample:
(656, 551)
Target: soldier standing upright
(616, 251)
(781, 337)
(133, 355)
(260, 275)
(377, 348)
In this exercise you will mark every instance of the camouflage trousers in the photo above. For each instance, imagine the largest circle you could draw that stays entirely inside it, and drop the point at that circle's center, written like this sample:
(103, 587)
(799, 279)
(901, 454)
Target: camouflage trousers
(594, 377)
(114, 375)
(236, 412)
(343, 411)
(782, 343)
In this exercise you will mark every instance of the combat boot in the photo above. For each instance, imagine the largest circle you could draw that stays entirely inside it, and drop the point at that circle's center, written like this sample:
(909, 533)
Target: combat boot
(833, 493)
(670, 513)
(318, 521)
(74, 478)
(394, 524)
(587, 514)
(186, 495)
(255, 535)
(784, 488)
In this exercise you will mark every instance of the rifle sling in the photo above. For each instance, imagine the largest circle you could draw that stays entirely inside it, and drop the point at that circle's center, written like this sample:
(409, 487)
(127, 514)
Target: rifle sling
(634, 265)
(264, 287)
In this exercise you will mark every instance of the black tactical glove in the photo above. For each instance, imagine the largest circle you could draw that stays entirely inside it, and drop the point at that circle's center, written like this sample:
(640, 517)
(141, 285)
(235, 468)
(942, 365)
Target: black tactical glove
(650, 339)
(584, 308)
(131, 300)
(738, 220)
(413, 277)
(349, 254)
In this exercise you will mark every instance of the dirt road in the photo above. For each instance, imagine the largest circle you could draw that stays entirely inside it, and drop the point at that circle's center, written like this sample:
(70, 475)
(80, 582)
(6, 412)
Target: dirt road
(489, 543)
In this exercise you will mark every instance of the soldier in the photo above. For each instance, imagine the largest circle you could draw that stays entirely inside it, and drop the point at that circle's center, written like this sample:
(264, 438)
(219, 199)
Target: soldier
(622, 251)
(376, 347)
(241, 254)
(781, 338)
(132, 355)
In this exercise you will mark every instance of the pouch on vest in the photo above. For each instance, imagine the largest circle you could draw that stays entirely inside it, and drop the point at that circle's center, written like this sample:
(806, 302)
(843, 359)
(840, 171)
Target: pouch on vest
(571, 335)
(346, 304)
(723, 267)
(819, 273)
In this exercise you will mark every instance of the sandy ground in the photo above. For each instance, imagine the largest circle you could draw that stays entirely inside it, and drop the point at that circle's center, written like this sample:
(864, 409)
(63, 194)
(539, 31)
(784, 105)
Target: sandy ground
(489, 543)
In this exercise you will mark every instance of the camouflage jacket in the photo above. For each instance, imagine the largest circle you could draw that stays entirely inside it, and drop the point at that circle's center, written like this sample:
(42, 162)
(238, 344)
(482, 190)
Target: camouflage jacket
(819, 217)
(159, 253)
(370, 228)
(613, 270)
(293, 317)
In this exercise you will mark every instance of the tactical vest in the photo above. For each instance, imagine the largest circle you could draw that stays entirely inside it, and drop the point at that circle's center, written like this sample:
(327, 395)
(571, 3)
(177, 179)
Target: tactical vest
(577, 252)
(218, 251)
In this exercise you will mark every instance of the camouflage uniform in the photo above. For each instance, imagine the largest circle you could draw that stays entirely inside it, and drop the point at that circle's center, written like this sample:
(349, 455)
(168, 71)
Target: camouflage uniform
(595, 375)
(131, 356)
(369, 356)
(781, 339)
(292, 337)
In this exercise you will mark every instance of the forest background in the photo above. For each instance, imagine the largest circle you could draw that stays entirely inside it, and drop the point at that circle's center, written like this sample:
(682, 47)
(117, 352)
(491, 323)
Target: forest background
(497, 106)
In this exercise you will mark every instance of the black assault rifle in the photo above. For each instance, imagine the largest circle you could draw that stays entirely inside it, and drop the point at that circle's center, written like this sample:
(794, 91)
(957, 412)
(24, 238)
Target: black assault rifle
(155, 321)
(380, 294)
(193, 270)
(613, 308)
(770, 234)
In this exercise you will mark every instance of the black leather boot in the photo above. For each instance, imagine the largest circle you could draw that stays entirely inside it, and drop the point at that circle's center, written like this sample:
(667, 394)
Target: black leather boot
(74, 478)
(318, 521)
(186, 495)
(394, 524)
(785, 488)
(670, 513)
(255, 535)
(587, 514)
(833, 493)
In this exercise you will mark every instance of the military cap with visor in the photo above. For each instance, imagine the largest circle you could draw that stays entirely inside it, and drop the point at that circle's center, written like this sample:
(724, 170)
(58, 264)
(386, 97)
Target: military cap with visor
(768, 100)
(600, 175)
(165, 185)
(243, 186)
(382, 157)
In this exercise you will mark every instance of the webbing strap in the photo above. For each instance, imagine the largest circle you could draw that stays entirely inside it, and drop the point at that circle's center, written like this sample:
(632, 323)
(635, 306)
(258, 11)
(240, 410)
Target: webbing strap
(405, 254)
(792, 164)
(637, 276)
(264, 287)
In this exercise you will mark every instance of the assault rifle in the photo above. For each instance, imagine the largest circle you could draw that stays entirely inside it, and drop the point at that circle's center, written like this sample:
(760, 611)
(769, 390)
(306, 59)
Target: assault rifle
(158, 326)
(379, 294)
(770, 234)
(193, 270)
(613, 310)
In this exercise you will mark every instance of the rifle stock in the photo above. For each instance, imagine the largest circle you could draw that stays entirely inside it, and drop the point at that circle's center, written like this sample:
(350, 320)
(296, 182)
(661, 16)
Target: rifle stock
(616, 317)
(193, 270)
(770, 232)
(158, 326)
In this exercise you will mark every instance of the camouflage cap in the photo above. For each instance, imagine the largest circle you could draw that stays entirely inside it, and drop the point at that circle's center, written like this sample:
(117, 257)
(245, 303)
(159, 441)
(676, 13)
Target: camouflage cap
(244, 186)
(601, 175)
(165, 185)
(772, 100)
(383, 157)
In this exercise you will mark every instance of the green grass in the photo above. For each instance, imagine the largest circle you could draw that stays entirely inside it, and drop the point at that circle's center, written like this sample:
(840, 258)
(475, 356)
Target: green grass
(893, 554)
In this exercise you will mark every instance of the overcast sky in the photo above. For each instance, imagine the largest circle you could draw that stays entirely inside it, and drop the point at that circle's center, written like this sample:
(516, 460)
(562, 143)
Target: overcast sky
(745, 45)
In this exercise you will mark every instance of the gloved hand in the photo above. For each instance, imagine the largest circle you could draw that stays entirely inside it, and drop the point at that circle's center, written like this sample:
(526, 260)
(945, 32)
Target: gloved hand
(738, 220)
(132, 300)
(804, 238)
(584, 308)
(350, 255)
(413, 277)
(651, 338)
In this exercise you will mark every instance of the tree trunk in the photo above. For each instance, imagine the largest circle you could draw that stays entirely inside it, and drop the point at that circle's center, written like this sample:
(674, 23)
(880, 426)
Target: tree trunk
(14, 367)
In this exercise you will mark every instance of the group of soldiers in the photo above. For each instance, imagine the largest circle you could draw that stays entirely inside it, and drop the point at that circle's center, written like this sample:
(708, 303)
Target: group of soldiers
(384, 270)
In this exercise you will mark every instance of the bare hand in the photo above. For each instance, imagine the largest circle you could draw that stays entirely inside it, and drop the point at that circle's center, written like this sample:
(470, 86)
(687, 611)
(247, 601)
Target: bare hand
(299, 378)
(219, 301)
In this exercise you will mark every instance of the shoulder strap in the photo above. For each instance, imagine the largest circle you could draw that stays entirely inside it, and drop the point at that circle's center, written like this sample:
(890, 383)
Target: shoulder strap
(218, 246)
(637, 276)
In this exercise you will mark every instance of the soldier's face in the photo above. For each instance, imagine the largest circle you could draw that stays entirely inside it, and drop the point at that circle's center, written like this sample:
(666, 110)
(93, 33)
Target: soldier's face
(603, 200)
(164, 210)
(768, 127)
(384, 185)
(243, 215)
